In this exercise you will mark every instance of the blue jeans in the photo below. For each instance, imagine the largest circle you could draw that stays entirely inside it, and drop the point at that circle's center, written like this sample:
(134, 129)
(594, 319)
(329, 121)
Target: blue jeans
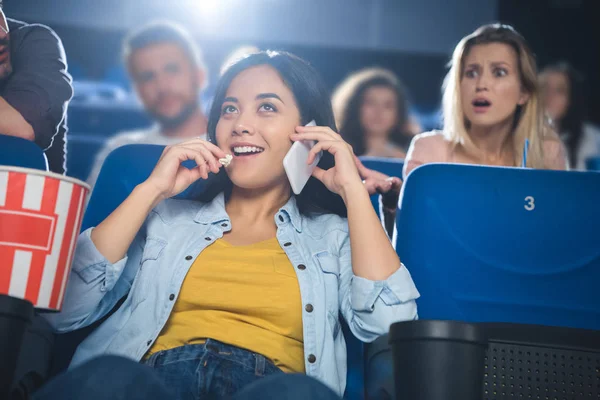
(209, 371)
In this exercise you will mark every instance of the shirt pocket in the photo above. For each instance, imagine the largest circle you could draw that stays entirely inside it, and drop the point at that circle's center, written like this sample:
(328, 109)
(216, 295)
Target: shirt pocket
(330, 272)
(148, 272)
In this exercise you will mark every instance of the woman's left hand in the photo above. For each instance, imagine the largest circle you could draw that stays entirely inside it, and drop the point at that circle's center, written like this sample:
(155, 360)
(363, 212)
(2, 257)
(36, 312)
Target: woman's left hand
(343, 176)
(377, 182)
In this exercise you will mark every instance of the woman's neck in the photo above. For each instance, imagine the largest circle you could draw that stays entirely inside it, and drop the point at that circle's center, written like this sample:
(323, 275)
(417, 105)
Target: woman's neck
(493, 142)
(257, 205)
(375, 144)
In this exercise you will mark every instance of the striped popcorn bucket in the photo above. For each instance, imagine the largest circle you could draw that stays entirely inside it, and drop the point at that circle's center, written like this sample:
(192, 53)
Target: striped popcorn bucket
(40, 219)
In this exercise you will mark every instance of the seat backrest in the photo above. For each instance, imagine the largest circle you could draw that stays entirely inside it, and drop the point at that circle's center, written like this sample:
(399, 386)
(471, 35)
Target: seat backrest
(388, 166)
(124, 169)
(106, 118)
(592, 164)
(82, 150)
(491, 244)
(18, 152)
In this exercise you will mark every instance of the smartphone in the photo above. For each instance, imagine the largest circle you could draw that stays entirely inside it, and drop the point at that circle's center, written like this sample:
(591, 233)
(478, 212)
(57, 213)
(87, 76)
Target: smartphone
(294, 163)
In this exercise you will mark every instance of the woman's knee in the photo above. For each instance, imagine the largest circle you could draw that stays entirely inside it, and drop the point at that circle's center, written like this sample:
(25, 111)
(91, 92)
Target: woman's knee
(287, 387)
(106, 377)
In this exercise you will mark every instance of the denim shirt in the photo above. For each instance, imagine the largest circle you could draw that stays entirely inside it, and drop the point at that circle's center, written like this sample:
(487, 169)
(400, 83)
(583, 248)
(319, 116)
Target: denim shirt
(176, 232)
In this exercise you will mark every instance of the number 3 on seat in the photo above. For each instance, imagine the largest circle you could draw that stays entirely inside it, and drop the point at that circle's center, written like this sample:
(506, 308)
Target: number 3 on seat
(529, 203)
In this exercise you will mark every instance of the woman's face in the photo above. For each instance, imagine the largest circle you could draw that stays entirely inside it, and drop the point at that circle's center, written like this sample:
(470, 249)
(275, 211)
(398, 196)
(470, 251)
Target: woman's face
(490, 85)
(258, 115)
(555, 94)
(379, 111)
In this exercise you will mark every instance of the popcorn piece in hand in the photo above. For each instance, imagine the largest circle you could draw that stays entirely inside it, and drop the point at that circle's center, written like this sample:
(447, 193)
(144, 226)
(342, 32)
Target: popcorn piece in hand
(226, 161)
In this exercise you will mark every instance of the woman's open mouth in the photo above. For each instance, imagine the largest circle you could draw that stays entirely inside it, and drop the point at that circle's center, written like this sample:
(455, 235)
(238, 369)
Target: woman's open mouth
(481, 105)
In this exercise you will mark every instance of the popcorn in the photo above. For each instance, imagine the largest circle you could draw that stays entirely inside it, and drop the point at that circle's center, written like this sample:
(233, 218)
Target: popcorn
(226, 161)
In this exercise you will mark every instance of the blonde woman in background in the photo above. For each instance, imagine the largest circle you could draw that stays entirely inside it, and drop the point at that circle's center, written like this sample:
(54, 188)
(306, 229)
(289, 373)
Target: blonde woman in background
(491, 107)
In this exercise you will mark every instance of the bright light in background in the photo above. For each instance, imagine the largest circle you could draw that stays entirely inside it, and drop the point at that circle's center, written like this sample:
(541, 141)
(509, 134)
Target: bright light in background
(210, 8)
(212, 14)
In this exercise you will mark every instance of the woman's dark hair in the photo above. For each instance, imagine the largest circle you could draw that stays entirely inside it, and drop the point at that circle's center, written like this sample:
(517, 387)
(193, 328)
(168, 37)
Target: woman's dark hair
(312, 98)
(348, 99)
(571, 124)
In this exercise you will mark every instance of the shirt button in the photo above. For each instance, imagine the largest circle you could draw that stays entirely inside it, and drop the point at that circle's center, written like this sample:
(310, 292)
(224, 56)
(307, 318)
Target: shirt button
(149, 342)
(224, 224)
(311, 358)
(286, 244)
(172, 297)
(207, 239)
(309, 308)
(281, 218)
(301, 267)
(188, 258)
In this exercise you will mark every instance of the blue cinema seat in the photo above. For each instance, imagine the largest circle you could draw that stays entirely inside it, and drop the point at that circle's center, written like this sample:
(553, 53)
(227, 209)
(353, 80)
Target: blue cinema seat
(592, 164)
(492, 244)
(388, 166)
(123, 170)
(18, 152)
(82, 150)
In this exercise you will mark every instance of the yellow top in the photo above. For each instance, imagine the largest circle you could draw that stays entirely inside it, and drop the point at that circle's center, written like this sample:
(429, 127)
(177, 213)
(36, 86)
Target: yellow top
(245, 296)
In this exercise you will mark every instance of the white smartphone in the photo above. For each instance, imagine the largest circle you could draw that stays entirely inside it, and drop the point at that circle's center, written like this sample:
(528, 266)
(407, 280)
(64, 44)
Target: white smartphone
(294, 163)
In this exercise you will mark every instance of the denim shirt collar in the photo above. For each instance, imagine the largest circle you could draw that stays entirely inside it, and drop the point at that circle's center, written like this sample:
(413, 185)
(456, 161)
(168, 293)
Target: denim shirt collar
(214, 212)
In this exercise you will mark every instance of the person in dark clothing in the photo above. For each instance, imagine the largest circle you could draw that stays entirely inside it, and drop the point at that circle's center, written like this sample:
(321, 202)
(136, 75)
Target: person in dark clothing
(35, 87)
(34, 92)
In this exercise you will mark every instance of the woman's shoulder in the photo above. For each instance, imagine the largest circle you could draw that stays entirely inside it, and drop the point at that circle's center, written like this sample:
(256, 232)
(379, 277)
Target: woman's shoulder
(432, 139)
(427, 147)
(555, 155)
(432, 146)
(320, 225)
(395, 151)
(330, 218)
(171, 210)
(325, 232)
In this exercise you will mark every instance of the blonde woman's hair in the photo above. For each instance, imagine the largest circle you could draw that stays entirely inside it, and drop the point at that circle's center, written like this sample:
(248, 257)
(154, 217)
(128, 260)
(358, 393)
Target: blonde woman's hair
(529, 122)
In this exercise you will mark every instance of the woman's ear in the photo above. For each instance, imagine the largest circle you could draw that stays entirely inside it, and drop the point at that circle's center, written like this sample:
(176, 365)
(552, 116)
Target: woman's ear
(524, 97)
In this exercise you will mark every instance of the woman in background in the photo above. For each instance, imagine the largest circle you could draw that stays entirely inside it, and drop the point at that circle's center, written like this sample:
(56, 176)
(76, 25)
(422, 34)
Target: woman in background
(372, 113)
(563, 99)
(491, 108)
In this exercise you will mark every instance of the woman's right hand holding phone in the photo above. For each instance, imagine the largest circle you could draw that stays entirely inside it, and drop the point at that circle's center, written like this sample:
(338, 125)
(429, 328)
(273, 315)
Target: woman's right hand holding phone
(169, 177)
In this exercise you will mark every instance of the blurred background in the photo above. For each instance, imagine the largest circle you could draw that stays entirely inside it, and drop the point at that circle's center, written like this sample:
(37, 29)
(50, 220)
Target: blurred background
(412, 38)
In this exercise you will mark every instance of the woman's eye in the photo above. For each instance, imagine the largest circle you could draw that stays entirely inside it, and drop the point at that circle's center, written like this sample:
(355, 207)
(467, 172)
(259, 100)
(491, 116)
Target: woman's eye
(228, 110)
(471, 73)
(267, 107)
(499, 72)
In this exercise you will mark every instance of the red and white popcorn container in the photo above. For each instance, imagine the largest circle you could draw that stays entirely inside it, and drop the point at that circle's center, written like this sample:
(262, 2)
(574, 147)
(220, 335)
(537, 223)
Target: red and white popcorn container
(40, 218)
